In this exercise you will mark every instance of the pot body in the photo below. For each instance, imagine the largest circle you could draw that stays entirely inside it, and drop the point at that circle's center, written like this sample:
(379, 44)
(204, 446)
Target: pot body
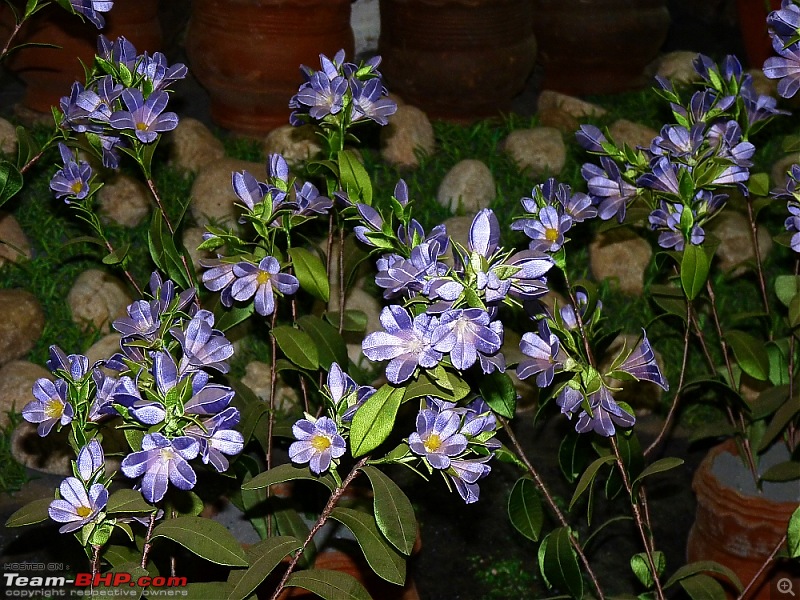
(247, 54)
(735, 530)
(459, 59)
(598, 46)
(48, 73)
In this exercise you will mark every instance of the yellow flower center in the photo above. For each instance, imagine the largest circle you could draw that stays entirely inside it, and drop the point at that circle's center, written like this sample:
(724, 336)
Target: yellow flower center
(550, 234)
(83, 511)
(320, 443)
(54, 409)
(263, 277)
(141, 126)
(76, 186)
(433, 443)
(167, 454)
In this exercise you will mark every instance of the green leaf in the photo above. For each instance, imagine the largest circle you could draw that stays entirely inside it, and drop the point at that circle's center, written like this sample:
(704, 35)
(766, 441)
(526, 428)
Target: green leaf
(354, 178)
(354, 320)
(204, 591)
(290, 523)
(269, 553)
(117, 256)
(204, 537)
(559, 564)
(393, 511)
(381, 557)
(287, 472)
(234, 315)
(297, 346)
(33, 512)
(703, 587)
(427, 385)
(164, 252)
(588, 477)
(128, 501)
(704, 566)
(499, 392)
(782, 417)
(329, 585)
(659, 466)
(750, 354)
(135, 570)
(572, 455)
(310, 272)
(330, 345)
(670, 299)
(10, 181)
(525, 509)
(786, 288)
(758, 184)
(641, 567)
(374, 421)
(785, 471)
(793, 535)
(250, 502)
(694, 270)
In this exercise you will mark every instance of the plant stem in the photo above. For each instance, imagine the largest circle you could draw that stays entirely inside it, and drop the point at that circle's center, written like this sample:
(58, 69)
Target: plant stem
(154, 192)
(323, 517)
(95, 559)
(273, 387)
(759, 266)
(147, 543)
(553, 506)
(762, 568)
(11, 37)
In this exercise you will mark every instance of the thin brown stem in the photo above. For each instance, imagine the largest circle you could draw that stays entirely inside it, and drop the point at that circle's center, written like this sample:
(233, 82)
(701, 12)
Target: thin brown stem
(154, 192)
(762, 568)
(341, 280)
(552, 504)
(95, 559)
(759, 266)
(273, 388)
(323, 517)
(147, 543)
(10, 39)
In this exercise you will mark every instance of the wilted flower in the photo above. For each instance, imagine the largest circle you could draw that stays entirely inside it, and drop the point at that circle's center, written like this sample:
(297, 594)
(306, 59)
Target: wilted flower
(318, 442)
(641, 364)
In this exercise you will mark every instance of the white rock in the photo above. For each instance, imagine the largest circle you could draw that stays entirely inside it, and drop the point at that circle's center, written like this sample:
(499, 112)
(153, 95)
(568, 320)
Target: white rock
(296, 144)
(21, 323)
(677, 66)
(469, 186)
(736, 240)
(193, 146)
(212, 193)
(14, 244)
(192, 238)
(631, 133)
(8, 138)
(569, 104)
(97, 298)
(458, 230)
(622, 257)
(257, 378)
(16, 382)
(408, 133)
(124, 200)
(103, 348)
(539, 151)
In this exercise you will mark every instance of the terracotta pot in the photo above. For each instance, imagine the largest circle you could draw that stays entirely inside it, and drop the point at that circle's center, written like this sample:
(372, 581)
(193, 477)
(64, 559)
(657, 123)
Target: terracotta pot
(753, 25)
(247, 54)
(598, 46)
(459, 59)
(48, 73)
(735, 530)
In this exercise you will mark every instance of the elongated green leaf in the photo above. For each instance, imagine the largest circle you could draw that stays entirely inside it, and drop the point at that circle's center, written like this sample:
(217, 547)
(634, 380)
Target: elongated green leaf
(10, 181)
(499, 392)
(287, 472)
(354, 320)
(694, 270)
(373, 422)
(659, 466)
(33, 512)
(572, 455)
(559, 564)
(128, 501)
(290, 523)
(234, 315)
(354, 178)
(381, 556)
(793, 534)
(251, 502)
(206, 538)
(785, 471)
(268, 555)
(427, 385)
(297, 346)
(135, 570)
(204, 591)
(671, 300)
(750, 354)
(588, 477)
(116, 556)
(330, 344)
(786, 288)
(393, 511)
(117, 256)
(640, 566)
(310, 272)
(703, 587)
(782, 416)
(704, 566)
(329, 585)
(525, 509)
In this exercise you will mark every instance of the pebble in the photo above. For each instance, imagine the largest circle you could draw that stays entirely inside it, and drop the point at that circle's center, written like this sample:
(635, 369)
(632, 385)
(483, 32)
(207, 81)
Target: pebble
(295, 144)
(468, 187)
(21, 323)
(192, 238)
(50, 454)
(408, 133)
(677, 66)
(569, 104)
(736, 241)
(781, 168)
(458, 230)
(631, 133)
(622, 257)
(14, 244)
(558, 118)
(539, 151)
(97, 298)
(257, 378)
(212, 192)
(16, 382)
(8, 138)
(124, 200)
(193, 146)
(103, 348)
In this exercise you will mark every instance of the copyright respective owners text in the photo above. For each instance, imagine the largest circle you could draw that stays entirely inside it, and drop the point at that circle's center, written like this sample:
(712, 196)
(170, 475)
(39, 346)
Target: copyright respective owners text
(785, 588)
(57, 580)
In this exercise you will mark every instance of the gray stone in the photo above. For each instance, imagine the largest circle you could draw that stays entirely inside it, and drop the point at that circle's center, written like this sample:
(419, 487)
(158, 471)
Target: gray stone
(192, 238)
(50, 454)
(21, 323)
(570, 104)
(408, 133)
(296, 144)
(257, 378)
(103, 348)
(193, 146)
(539, 151)
(782, 167)
(8, 138)
(97, 298)
(212, 193)
(631, 133)
(622, 257)
(458, 230)
(736, 240)
(14, 244)
(558, 118)
(124, 200)
(469, 186)
(677, 66)
(16, 382)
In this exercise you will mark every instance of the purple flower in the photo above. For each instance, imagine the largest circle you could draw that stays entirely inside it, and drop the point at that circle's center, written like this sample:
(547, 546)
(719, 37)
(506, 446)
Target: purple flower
(792, 225)
(50, 406)
(641, 364)
(219, 278)
(162, 461)
(90, 461)
(73, 180)
(102, 404)
(248, 189)
(74, 366)
(667, 219)
(217, 438)
(605, 413)
(91, 9)
(608, 189)
(323, 95)
(318, 442)
(76, 507)
(405, 343)
(437, 438)
(261, 281)
(156, 70)
(309, 200)
(146, 118)
(399, 276)
(785, 66)
(142, 321)
(370, 103)
(785, 21)
(203, 346)
(466, 333)
(547, 231)
(120, 51)
(465, 475)
(345, 393)
(590, 138)
(545, 355)
(663, 178)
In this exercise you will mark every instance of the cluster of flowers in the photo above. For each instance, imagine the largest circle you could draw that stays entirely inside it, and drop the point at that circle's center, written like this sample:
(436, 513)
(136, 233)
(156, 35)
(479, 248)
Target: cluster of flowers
(679, 176)
(91, 9)
(182, 414)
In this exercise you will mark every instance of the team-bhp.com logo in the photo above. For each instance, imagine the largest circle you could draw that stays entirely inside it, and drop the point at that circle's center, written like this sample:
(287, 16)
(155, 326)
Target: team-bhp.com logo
(85, 584)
